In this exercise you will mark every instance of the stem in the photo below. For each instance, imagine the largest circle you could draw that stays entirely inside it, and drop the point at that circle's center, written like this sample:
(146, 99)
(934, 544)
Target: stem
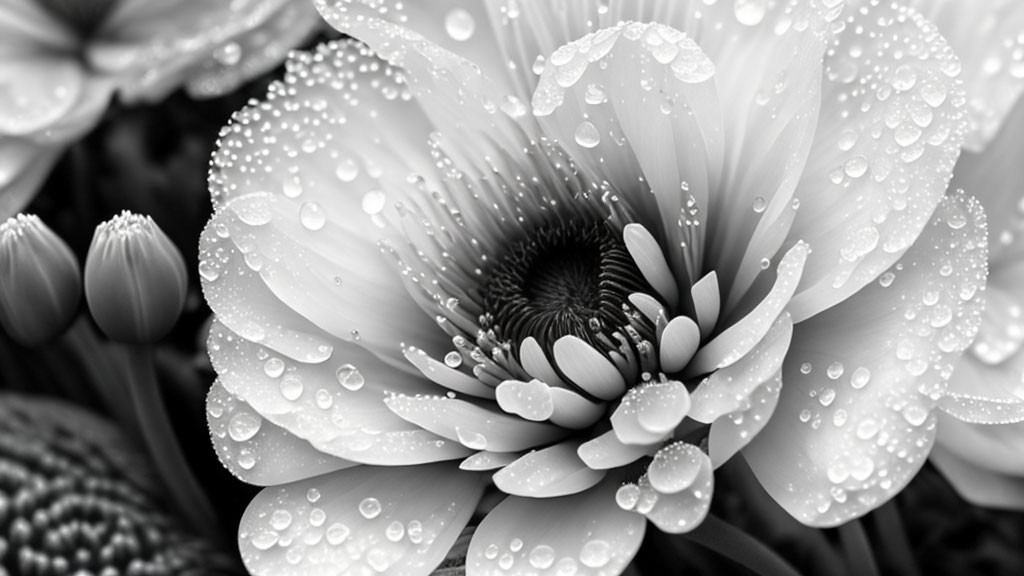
(893, 537)
(857, 549)
(740, 547)
(163, 445)
(96, 361)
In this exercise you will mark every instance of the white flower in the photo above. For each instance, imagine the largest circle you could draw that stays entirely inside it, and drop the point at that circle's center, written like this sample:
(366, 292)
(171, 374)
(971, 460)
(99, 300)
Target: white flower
(62, 60)
(591, 249)
(981, 440)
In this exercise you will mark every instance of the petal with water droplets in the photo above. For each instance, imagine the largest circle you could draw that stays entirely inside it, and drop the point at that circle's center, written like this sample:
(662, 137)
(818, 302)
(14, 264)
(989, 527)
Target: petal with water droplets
(553, 471)
(855, 419)
(585, 533)
(372, 519)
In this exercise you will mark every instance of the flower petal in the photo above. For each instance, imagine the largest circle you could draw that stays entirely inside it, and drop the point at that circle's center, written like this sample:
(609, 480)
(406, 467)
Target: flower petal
(260, 452)
(894, 160)
(588, 368)
(27, 26)
(476, 425)
(731, 433)
(586, 533)
(606, 451)
(978, 485)
(554, 471)
(986, 36)
(683, 510)
(729, 389)
(650, 412)
(366, 519)
(739, 339)
(855, 422)
(37, 90)
(339, 408)
(645, 87)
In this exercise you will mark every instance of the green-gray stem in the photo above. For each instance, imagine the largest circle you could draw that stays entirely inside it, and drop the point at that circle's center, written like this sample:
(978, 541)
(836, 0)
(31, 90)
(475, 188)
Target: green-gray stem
(740, 547)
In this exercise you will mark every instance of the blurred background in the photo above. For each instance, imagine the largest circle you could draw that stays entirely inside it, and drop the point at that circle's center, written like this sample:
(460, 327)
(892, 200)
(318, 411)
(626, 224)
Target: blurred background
(153, 160)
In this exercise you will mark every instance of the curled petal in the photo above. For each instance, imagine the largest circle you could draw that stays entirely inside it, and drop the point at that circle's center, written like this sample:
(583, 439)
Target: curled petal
(553, 471)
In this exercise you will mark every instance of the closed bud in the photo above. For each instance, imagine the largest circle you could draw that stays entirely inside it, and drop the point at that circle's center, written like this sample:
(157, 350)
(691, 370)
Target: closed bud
(40, 282)
(135, 280)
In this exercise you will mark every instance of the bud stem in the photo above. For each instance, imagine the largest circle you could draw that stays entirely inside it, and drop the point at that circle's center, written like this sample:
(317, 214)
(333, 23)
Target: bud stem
(163, 445)
(740, 547)
(893, 544)
(857, 549)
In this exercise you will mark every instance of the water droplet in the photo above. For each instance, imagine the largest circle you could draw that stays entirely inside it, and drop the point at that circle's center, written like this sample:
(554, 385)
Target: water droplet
(867, 429)
(594, 94)
(208, 271)
(904, 78)
(834, 370)
(460, 25)
(760, 204)
(595, 553)
(827, 396)
(291, 387)
(750, 12)
(856, 167)
(350, 377)
(587, 135)
(373, 202)
(337, 533)
(491, 552)
(228, 54)
(323, 398)
(264, 540)
(312, 216)
(627, 496)
(347, 170)
(806, 368)
(805, 415)
(280, 519)
(542, 557)
(273, 367)
(312, 495)
(860, 378)
(453, 359)
(395, 531)
(886, 279)
(370, 508)
(243, 426)
(539, 64)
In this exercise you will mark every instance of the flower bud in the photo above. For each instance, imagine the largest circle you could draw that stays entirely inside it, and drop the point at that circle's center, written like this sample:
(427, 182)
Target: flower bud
(40, 281)
(135, 280)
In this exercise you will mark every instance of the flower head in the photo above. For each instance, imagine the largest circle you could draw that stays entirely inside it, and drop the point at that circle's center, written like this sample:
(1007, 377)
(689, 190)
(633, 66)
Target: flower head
(595, 258)
(63, 61)
(40, 281)
(981, 429)
(135, 279)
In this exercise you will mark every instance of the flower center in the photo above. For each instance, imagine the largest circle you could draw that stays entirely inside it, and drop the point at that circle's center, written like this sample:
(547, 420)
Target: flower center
(571, 278)
(82, 16)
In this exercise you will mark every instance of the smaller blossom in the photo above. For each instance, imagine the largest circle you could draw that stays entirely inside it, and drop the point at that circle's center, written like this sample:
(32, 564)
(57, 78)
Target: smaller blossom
(135, 280)
(61, 63)
(40, 283)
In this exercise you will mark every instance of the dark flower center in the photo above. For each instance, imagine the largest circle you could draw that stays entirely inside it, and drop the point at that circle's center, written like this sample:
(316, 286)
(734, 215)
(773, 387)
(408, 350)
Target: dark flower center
(570, 278)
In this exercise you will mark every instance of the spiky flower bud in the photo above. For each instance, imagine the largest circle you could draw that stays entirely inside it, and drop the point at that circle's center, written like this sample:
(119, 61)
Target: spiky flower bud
(40, 281)
(135, 279)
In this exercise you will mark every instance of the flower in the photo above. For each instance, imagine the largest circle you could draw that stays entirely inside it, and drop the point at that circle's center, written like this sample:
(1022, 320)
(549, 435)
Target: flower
(40, 283)
(135, 279)
(981, 433)
(591, 250)
(78, 498)
(61, 61)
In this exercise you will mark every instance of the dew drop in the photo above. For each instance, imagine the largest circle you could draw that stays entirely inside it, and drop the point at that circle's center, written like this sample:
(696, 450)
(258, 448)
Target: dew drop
(453, 359)
(243, 426)
(312, 216)
(750, 12)
(827, 396)
(337, 533)
(395, 531)
(347, 170)
(291, 387)
(806, 368)
(317, 517)
(349, 377)
(860, 378)
(627, 496)
(280, 519)
(323, 398)
(370, 508)
(273, 367)
(594, 94)
(834, 370)
(760, 204)
(542, 557)
(460, 25)
(595, 553)
(373, 202)
(312, 495)
(856, 167)
(587, 135)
